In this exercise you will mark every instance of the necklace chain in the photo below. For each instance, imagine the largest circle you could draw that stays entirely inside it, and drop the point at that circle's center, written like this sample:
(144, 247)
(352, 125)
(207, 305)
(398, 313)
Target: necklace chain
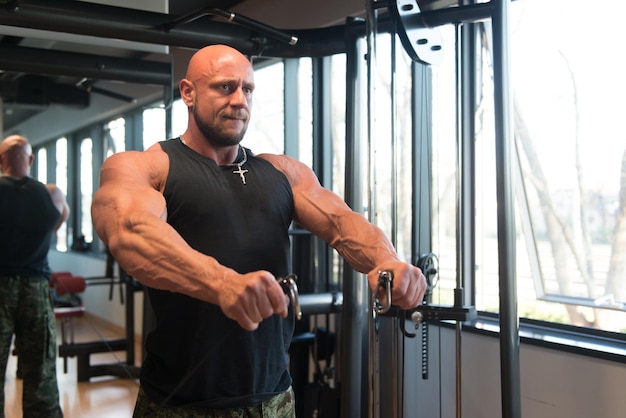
(243, 160)
(239, 170)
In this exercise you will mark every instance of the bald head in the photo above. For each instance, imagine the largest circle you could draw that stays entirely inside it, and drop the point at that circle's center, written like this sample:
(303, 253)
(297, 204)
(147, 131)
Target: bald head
(218, 93)
(211, 58)
(14, 141)
(16, 156)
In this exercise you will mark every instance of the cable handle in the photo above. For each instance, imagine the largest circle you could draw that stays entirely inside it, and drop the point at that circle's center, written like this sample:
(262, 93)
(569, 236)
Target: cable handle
(385, 283)
(290, 287)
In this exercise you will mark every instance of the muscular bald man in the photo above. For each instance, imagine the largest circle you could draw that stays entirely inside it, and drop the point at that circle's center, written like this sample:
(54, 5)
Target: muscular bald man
(29, 213)
(203, 223)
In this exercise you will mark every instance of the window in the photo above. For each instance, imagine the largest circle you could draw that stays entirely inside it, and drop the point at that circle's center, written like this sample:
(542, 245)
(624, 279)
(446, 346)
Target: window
(61, 182)
(265, 130)
(568, 104)
(392, 143)
(86, 191)
(153, 126)
(338, 121)
(568, 93)
(115, 136)
(42, 165)
(305, 111)
(61, 164)
(179, 118)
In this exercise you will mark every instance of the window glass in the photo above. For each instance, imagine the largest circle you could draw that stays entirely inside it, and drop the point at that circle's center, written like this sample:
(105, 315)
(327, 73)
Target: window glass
(402, 154)
(62, 183)
(266, 129)
(444, 169)
(568, 169)
(179, 118)
(305, 111)
(391, 145)
(61, 164)
(115, 136)
(153, 126)
(568, 91)
(381, 142)
(338, 121)
(86, 189)
(42, 165)
(338, 142)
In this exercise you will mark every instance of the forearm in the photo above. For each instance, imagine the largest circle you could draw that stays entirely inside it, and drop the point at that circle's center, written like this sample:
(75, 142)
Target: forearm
(153, 253)
(362, 244)
(366, 248)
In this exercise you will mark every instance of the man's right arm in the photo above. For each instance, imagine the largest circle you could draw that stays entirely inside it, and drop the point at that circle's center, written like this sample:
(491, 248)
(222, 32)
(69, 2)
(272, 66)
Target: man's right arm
(129, 214)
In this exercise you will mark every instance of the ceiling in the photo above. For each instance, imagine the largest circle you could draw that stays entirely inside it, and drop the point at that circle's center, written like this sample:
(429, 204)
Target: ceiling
(71, 53)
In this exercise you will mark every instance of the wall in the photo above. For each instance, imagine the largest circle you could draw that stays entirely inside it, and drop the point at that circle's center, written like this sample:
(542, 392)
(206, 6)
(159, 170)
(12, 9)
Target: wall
(554, 383)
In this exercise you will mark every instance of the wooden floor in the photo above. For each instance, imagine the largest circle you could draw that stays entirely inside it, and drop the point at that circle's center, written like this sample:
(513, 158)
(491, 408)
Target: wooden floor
(101, 397)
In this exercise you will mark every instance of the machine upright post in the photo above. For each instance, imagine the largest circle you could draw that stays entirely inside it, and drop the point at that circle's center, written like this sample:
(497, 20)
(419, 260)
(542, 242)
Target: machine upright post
(509, 323)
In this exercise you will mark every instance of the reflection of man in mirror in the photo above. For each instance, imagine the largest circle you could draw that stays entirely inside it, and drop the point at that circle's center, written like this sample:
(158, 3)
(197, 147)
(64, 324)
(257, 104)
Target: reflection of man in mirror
(30, 212)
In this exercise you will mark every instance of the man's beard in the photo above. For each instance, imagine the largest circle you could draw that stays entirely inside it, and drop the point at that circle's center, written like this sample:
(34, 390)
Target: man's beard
(214, 135)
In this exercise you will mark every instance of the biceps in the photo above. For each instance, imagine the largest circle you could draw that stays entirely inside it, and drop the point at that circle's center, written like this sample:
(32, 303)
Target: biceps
(323, 213)
(118, 209)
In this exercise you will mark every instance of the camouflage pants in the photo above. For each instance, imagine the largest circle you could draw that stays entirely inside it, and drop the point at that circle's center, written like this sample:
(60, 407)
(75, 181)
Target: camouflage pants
(26, 311)
(280, 406)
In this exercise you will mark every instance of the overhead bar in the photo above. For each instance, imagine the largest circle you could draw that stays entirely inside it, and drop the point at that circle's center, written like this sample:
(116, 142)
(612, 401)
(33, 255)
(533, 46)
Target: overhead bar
(114, 22)
(233, 17)
(105, 21)
(62, 63)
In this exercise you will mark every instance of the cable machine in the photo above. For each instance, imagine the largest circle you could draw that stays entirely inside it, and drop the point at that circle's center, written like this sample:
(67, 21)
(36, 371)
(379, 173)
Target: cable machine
(414, 29)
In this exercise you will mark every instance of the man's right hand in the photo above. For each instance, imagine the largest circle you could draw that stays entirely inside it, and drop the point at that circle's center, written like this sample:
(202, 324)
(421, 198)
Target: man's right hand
(252, 297)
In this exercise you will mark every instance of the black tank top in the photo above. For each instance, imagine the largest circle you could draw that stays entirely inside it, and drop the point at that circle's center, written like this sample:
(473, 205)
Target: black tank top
(244, 227)
(27, 220)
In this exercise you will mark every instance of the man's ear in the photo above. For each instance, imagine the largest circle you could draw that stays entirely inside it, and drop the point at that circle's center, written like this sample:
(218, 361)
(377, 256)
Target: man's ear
(186, 91)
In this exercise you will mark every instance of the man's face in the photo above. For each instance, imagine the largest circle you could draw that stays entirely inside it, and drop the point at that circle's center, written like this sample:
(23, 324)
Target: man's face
(222, 102)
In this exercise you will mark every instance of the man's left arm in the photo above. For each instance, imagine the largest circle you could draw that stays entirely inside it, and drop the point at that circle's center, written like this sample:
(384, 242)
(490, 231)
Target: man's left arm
(363, 245)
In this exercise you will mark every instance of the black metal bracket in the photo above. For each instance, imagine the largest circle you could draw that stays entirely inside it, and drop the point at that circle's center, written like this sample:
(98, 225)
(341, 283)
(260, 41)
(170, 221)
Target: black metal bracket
(431, 313)
(422, 43)
(427, 312)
